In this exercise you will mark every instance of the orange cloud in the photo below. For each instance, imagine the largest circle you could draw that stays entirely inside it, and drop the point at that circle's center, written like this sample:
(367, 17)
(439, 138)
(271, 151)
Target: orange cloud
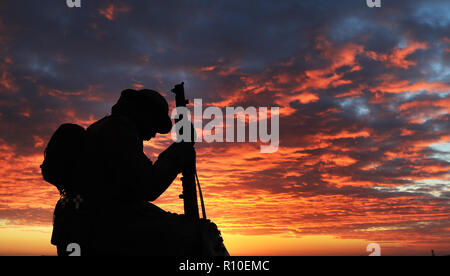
(137, 86)
(323, 78)
(7, 81)
(228, 70)
(112, 10)
(440, 103)
(353, 93)
(305, 98)
(338, 57)
(21, 186)
(288, 63)
(398, 56)
(392, 84)
(208, 68)
(92, 93)
(446, 40)
(342, 135)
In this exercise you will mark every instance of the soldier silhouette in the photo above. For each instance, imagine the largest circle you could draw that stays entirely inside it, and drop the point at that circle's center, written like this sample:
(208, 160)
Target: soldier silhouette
(107, 184)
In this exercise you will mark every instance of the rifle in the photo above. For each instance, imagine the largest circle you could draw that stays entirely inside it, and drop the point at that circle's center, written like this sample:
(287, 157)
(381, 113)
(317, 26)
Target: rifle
(189, 177)
(212, 244)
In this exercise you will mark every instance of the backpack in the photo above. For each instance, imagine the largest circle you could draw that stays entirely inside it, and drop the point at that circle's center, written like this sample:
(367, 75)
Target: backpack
(63, 157)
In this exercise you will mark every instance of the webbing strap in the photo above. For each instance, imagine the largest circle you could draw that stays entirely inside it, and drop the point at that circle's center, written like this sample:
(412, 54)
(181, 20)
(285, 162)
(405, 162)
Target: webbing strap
(201, 195)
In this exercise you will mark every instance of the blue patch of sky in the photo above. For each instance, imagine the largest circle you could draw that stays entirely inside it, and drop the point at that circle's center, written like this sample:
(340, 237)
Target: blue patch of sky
(358, 106)
(445, 146)
(433, 14)
(438, 72)
(36, 65)
(431, 187)
(443, 151)
(350, 27)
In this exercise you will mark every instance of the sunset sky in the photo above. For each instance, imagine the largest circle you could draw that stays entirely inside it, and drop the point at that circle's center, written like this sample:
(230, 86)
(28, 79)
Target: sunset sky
(364, 97)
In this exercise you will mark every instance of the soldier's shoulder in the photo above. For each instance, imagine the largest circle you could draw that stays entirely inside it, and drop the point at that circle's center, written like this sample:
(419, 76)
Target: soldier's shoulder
(114, 127)
(104, 122)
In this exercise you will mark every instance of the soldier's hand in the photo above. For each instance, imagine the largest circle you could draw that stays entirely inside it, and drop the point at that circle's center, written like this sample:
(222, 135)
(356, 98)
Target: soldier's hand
(182, 153)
